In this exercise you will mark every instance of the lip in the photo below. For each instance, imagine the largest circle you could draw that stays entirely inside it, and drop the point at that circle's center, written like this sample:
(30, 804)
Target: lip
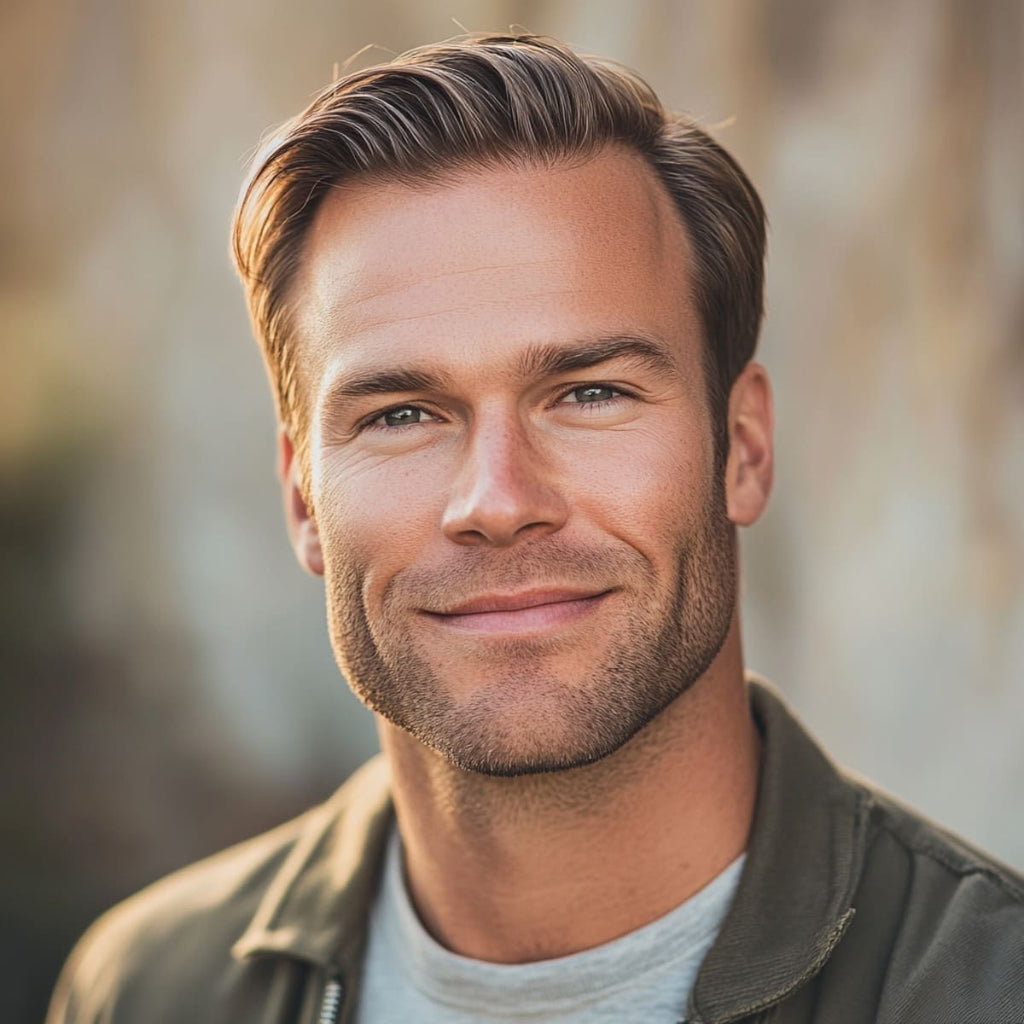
(526, 612)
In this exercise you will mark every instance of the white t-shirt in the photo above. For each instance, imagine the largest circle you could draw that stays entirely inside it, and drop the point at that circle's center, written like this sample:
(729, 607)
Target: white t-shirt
(645, 976)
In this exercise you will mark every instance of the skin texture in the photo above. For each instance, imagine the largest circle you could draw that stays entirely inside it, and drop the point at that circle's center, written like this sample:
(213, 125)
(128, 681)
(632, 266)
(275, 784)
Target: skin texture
(531, 566)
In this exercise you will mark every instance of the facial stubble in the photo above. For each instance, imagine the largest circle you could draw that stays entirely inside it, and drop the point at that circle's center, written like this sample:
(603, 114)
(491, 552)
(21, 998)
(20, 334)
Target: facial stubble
(521, 718)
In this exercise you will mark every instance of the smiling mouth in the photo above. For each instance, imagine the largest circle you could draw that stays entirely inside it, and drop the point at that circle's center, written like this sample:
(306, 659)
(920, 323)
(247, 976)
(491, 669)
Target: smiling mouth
(528, 612)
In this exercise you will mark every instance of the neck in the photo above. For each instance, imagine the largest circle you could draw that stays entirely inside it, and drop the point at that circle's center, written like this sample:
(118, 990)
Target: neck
(511, 870)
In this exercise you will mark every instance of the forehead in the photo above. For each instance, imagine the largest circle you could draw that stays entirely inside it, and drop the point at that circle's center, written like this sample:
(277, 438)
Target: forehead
(491, 261)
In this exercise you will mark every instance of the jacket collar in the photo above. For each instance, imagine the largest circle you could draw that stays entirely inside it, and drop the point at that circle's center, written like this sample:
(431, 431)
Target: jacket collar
(804, 860)
(792, 906)
(317, 905)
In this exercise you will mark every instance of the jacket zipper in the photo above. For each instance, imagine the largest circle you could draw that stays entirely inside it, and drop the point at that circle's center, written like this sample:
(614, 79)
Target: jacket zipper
(331, 1002)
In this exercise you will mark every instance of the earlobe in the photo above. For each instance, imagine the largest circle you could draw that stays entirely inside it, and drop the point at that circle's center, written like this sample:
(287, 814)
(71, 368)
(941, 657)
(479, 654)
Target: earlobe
(302, 529)
(750, 467)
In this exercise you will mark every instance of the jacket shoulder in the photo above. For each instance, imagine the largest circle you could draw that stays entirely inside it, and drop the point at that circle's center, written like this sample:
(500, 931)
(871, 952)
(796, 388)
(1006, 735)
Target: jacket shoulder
(951, 915)
(175, 936)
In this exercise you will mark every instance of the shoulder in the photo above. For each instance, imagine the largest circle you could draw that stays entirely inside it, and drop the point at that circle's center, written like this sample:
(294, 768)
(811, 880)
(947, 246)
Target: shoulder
(951, 915)
(176, 935)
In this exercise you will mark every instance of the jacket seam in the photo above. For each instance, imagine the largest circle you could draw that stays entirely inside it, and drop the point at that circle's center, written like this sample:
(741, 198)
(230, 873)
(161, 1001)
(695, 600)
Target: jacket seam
(937, 853)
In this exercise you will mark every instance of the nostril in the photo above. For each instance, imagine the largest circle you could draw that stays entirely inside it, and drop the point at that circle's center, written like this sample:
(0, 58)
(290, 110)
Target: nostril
(482, 523)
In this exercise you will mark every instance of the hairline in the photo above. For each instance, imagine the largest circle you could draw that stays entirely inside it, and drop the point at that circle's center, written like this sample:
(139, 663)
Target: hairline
(508, 99)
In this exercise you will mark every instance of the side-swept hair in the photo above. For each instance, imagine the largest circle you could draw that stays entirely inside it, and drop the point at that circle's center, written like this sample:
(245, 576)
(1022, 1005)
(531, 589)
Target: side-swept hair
(480, 102)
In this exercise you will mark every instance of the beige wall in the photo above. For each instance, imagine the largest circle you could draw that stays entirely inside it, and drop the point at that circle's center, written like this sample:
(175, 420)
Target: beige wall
(172, 686)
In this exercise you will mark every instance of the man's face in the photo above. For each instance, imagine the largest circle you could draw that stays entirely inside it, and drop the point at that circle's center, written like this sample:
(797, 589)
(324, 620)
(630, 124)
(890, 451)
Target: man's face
(526, 552)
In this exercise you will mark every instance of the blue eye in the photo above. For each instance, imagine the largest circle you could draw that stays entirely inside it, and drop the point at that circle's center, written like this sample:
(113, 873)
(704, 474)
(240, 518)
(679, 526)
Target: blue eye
(591, 393)
(400, 417)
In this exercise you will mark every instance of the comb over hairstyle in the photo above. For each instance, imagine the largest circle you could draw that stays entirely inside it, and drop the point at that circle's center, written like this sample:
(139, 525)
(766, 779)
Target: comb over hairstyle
(486, 101)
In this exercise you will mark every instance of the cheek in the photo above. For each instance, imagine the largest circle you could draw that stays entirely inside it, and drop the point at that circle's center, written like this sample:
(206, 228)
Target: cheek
(646, 486)
(375, 518)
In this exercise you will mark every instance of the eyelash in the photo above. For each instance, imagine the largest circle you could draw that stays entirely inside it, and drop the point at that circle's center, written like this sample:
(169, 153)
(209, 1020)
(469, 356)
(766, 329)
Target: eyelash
(374, 422)
(597, 386)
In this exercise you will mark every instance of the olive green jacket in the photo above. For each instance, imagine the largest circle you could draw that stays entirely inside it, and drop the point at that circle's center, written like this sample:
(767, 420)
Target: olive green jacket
(851, 908)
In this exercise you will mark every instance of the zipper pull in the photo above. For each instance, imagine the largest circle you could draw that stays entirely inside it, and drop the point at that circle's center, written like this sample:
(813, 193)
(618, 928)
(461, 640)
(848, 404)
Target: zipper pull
(331, 1002)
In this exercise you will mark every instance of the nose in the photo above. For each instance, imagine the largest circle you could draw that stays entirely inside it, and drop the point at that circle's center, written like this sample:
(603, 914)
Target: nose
(503, 490)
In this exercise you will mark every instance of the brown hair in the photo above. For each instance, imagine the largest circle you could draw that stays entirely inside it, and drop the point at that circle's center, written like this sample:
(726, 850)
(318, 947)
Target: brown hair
(482, 101)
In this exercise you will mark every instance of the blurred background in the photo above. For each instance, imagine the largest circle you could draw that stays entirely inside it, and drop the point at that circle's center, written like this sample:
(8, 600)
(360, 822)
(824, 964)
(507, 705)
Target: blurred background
(168, 687)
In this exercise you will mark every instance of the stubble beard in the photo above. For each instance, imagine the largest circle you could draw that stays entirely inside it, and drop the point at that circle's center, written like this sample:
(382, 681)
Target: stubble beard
(522, 718)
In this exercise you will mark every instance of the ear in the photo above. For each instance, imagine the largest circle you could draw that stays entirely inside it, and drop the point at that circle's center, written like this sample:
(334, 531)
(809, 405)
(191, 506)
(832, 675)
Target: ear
(750, 467)
(301, 525)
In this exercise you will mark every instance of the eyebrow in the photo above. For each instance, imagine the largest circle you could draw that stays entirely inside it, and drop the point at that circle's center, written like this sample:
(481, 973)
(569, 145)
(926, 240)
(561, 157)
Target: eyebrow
(385, 382)
(537, 362)
(552, 360)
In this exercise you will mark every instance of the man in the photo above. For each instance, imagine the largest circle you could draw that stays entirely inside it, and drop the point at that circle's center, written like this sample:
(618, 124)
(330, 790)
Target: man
(509, 307)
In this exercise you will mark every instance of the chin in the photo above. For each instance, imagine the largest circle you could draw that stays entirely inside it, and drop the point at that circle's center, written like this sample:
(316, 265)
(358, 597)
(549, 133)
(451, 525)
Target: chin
(533, 730)
(512, 760)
